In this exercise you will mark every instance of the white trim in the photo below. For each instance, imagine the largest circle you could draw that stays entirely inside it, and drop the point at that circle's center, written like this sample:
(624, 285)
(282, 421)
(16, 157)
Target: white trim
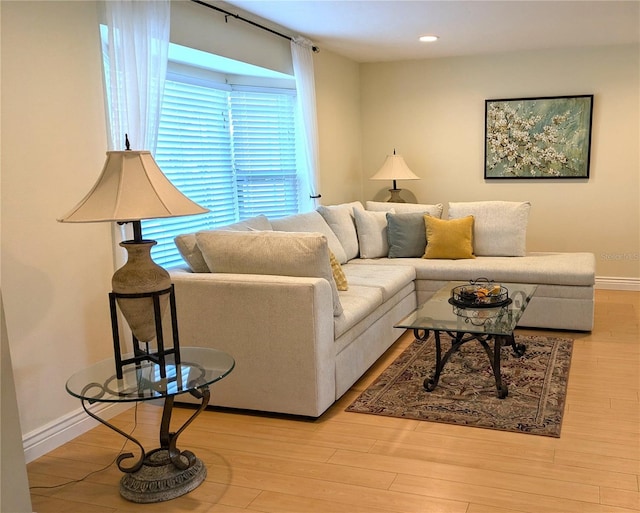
(54, 434)
(615, 283)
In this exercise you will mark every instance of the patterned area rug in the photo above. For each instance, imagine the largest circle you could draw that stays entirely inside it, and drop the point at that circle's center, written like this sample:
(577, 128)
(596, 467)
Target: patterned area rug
(466, 393)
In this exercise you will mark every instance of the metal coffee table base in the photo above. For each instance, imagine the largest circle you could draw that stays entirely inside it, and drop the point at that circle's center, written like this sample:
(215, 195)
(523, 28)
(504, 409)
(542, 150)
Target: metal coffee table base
(459, 338)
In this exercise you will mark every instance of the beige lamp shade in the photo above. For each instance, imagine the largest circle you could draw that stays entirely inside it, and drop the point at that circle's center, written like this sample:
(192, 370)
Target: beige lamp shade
(395, 168)
(131, 187)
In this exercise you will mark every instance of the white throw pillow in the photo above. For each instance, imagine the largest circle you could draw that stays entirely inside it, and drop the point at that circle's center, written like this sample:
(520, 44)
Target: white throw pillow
(341, 220)
(500, 227)
(405, 208)
(270, 252)
(372, 233)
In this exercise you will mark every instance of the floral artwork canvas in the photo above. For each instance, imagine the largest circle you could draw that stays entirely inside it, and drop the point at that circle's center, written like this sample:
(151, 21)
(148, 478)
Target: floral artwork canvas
(538, 137)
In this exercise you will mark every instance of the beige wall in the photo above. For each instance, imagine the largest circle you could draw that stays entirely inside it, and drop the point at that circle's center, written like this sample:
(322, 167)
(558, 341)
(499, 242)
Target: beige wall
(338, 106)
(432, 112)
(55, 277)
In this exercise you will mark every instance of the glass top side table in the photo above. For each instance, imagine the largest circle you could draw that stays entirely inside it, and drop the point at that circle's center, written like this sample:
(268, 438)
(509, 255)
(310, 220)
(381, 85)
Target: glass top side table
(166, 472)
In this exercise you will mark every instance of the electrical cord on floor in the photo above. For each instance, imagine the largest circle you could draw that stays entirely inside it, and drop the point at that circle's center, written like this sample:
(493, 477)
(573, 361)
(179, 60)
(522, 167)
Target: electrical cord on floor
(135, 425)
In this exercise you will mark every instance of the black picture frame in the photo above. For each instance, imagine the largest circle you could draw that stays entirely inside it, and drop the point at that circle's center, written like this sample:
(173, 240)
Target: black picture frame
(547, 137)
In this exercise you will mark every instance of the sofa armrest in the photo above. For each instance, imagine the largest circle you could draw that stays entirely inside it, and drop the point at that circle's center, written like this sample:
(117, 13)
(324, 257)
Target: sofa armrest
(279, 329)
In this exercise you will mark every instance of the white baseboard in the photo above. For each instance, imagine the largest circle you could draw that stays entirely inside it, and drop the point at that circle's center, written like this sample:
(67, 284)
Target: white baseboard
(50, 436)
(613, 283)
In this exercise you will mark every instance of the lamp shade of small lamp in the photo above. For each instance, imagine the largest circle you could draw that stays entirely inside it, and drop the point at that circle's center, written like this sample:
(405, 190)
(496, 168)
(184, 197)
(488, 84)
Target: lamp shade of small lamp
(395, 168)
(130, 188)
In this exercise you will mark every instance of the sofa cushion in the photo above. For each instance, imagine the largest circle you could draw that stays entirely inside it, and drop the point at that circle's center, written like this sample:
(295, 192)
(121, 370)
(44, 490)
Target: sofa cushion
(188, 247)
(406, 234)
(500, 227)
(372, 233)
(341, 220)
(358, 302)
(311, 222)
(403, 208)
(390, 279)
(452, 239)
(269, 252)
(567, 269)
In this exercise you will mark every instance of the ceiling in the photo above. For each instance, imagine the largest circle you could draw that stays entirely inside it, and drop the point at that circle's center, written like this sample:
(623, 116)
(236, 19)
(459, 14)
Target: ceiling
(388, 30)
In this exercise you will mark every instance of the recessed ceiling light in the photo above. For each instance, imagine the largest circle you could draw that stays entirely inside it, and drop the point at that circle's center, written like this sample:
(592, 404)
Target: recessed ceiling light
(428, 39)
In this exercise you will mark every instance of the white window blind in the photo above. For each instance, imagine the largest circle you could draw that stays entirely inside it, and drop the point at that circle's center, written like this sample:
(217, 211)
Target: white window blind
(232, 151)
(264, 153)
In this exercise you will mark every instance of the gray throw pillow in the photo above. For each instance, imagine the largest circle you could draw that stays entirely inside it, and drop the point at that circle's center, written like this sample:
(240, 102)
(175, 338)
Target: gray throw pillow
(406, 234)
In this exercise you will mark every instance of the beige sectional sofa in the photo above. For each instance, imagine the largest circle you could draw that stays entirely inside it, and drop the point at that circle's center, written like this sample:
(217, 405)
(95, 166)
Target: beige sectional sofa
(266, 291)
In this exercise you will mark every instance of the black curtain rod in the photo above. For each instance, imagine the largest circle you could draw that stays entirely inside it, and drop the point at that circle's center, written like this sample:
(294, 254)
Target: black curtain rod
(238, 17)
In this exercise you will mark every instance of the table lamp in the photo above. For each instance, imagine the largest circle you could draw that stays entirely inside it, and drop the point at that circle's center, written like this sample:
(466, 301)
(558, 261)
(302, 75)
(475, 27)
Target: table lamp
(395, 168)
(131, 188)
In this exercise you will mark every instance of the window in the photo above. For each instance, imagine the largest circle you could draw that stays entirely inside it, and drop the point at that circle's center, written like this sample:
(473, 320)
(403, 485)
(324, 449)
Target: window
(231, 149)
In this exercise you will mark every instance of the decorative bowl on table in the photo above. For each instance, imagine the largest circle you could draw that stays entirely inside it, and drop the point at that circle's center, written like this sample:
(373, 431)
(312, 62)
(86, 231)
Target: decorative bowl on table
(481, 316)
(479, 293)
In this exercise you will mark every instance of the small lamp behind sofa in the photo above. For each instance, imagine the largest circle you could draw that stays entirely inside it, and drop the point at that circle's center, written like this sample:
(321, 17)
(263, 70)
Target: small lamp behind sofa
(395, 168)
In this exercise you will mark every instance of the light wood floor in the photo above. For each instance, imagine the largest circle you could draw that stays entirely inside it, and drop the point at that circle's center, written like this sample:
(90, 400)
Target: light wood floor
(354, 463)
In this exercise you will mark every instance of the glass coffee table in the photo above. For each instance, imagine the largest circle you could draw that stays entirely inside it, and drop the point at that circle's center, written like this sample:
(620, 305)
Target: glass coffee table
(166, 472)
(465, 322)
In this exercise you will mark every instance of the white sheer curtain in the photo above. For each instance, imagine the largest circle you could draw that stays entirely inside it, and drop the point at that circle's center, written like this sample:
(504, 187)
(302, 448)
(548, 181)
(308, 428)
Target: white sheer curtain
(302, 56)
(135, 70)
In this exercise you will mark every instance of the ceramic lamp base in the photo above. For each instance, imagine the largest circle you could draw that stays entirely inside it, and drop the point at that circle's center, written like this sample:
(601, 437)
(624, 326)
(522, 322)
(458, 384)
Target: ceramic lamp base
(395, 196)
(140, 275)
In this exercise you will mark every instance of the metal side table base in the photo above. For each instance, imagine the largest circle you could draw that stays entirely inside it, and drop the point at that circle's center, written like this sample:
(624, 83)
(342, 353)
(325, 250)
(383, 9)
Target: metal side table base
(167, 472)
(160, 480)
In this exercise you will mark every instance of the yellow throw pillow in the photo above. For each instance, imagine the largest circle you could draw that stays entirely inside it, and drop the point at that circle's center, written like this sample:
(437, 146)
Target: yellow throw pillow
(452, 239)
(338, 273)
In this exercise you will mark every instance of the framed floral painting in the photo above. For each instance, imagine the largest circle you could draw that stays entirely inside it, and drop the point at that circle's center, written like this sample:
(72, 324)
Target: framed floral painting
(547, 137)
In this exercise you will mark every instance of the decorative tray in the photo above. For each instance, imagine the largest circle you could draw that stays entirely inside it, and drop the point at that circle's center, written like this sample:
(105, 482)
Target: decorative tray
(480, 293)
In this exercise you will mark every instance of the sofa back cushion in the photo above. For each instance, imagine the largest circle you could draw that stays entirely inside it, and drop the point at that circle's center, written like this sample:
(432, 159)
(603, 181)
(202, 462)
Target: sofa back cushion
(269, 252)
(372, 233)
(341, 219)
(403, 208)
(190, 252)
(311, 222)
(500, 227)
